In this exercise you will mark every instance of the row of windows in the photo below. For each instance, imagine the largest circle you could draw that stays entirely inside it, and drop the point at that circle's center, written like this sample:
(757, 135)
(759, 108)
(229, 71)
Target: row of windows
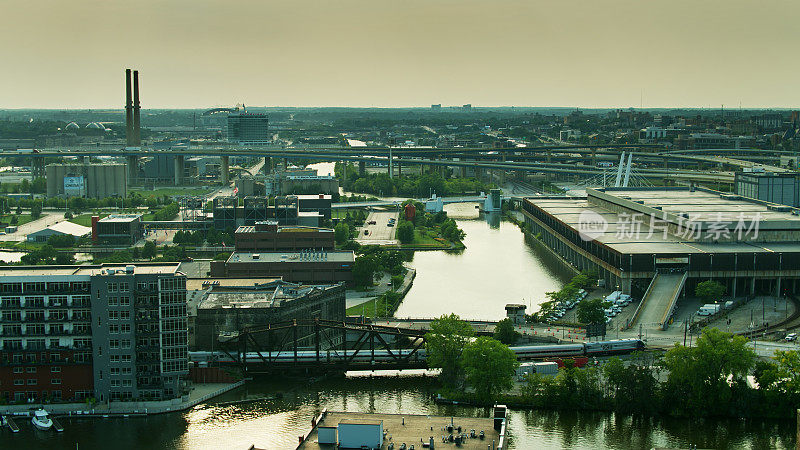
(173, 283)
(119, 315)
(121, 383)
(120, 370)
(173, 311)
(119, 301)
(174, 366)
(119, 358)
(178, 297)
(122, 286)
(42, 286)
(174, 353)
(117, 343)
(147, 286)
(34, 382)
(119, 328)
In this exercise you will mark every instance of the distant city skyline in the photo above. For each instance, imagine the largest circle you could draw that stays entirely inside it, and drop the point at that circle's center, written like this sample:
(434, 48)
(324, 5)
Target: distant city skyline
(379, 53)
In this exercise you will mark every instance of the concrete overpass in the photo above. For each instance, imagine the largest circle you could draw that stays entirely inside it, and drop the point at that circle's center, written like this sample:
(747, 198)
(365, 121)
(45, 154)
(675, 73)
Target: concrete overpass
(481, 159)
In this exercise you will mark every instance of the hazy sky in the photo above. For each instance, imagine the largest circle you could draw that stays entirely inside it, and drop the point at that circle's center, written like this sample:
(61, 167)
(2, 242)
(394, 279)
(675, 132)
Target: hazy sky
(590, 53)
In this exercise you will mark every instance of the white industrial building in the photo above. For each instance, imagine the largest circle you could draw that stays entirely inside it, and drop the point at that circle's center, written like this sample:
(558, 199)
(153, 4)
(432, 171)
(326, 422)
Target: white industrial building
(59, 229)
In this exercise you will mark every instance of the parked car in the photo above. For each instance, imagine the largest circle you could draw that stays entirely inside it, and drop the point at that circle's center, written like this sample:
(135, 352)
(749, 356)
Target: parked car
(791, 337)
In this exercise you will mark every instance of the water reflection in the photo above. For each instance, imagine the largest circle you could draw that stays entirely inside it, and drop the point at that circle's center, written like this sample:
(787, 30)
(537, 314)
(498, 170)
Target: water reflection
(497, 267)
(493, 219)
(276, 423)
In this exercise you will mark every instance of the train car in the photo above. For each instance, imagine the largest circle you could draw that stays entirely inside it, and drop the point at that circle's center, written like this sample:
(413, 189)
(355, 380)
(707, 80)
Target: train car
(615, 347)
(544, 351)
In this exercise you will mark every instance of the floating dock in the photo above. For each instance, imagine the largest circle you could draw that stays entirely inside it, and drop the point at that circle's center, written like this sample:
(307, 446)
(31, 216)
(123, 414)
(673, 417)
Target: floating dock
(57, 425)
(12, 425)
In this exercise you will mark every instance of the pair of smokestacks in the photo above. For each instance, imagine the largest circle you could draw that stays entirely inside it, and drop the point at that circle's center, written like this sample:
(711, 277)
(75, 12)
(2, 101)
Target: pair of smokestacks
(133, 131)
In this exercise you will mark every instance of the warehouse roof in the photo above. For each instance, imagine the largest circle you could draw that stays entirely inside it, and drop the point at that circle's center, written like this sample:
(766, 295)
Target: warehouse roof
(293, 257)
(66, 227)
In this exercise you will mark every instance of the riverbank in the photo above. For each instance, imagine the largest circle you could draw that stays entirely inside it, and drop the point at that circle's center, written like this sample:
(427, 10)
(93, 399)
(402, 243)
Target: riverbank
(200, 393)
(373, 306)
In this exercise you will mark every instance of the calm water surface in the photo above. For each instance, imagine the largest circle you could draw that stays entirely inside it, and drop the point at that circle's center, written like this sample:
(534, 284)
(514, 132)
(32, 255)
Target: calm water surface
(496, 268)
(276, 424)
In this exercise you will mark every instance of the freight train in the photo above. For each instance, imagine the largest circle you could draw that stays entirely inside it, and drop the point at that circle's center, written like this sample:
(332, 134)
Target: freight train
(530, 352)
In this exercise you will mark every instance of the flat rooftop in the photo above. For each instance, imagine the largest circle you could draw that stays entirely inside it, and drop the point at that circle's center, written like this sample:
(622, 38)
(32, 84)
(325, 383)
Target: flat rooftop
(269, 296)
(284, 229)
(707, 205)
(121, 218)
(343, 256)
(416, 427)
(87, 270)
(197, 284)
(777, 226)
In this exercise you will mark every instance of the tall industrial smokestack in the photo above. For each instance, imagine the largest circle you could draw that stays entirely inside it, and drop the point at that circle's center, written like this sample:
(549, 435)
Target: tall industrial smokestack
(137, 130)
(128, 109)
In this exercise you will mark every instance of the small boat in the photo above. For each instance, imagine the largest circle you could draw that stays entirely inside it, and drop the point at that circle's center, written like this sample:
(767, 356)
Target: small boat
(41, 420)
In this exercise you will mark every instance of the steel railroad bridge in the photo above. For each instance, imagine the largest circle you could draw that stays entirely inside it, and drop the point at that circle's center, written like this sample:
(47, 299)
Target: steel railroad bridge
(275, 347)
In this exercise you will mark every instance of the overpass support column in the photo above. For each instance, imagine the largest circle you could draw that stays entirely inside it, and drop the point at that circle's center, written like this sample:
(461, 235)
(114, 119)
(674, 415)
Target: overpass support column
(224, 169)
(391, 164)
(463, 172)
(179, 169)
(267, 165)
(37, 167)
(399, 169)
(133, 168)
(362, 168)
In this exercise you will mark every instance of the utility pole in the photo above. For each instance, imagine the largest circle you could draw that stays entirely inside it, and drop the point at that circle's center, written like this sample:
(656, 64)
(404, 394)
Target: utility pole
(685, 326)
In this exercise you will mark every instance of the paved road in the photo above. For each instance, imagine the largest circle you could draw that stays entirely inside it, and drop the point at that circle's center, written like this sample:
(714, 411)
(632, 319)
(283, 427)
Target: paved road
(379, 233)
(659, 299)
(768, 349)
(47, 219)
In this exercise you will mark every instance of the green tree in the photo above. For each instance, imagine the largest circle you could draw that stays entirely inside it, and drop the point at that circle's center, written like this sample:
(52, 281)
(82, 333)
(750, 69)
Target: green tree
(364, 270)
(505, 332)
(444, 344)
(149, 250)
(709, 290)
(65, 258)
(61, 241)
(341, 233)
(405, 232)
(489, 365)
(702, 379)
(591, 311)
(634, 385)
(36, 210)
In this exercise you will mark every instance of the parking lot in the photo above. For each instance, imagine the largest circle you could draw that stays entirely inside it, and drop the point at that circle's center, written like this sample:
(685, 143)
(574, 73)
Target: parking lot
(377, 229)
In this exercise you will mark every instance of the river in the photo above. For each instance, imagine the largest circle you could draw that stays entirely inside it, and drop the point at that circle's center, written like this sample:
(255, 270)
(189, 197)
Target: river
(276, 424)
(497, 267)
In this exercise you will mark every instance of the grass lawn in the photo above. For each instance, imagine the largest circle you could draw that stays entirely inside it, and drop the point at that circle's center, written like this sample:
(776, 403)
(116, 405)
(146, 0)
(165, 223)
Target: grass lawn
(21, 219)
(85, 219)
(423, 239)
